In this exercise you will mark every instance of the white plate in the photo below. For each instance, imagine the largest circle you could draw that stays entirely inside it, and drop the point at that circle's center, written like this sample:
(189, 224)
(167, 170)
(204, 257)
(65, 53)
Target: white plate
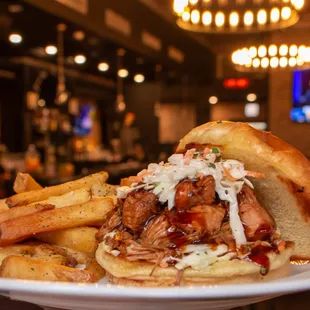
(105, 296)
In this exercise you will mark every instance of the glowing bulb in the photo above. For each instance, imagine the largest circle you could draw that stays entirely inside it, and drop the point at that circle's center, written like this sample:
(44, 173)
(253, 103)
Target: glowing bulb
(283, 50)
(51, 49)
(123, 73)
(298, 4)
(275, 15)
(262, 17)
(195, 16)
(251, 97)
(283, 62)
(207, 18)
(293, 50)
(274, 62)
(80, 59)
(234, 19)
(213, 100)
(300, 62)
(272, 50)
(103, 66)
(262, 51)
(286, 13)
(15, 38)
(186, 16)
(193, 2)
(139, 78)
(256, 63)
(292, 62)
(179, 6)
(252, 51)
(265, 62)
(301, 49)
(219, 19)
(248, 18)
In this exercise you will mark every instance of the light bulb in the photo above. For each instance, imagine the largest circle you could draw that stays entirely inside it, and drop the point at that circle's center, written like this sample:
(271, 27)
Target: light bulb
(248, 18)
(193, 2)
(179, 6)
(256, 63)
(213, 100)
(283, 50)
(186, 16)
(275, 15)
(103, 66)
(123, 73)
(262, 17)
(298, 4)
(286, 13)
(292, 62)
(51, 49)
(234, 19)
(262, 51)
(251, 97)
(283, 62)
(293, 50)
(139, 78)
(207, 18)
(272, 50)
(274, 62)
(195, 16)
(253, 51)
(80, 59)
(265, 62)
(219, 19)
(15, 38)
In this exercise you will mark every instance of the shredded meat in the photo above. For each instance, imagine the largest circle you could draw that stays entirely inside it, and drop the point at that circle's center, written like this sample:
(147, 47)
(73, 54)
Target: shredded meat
(224, 236)
(258, 223)
(204, 219)
(138, 207)
(189, 193)
(156, 232)
(114, 221)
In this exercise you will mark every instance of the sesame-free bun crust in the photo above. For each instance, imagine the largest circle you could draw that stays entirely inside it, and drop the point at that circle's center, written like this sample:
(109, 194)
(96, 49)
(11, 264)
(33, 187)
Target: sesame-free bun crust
(285, 190)
(137, 273)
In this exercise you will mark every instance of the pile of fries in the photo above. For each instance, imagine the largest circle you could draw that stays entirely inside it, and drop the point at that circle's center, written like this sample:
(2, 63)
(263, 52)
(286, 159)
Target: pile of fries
(48, 233)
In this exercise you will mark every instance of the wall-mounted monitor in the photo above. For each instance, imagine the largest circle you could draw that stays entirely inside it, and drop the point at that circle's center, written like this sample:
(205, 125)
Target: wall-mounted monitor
(301, 96)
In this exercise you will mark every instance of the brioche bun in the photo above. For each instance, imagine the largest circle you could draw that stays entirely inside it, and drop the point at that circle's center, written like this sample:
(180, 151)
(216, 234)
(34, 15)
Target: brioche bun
(138, 273)
(285, 190)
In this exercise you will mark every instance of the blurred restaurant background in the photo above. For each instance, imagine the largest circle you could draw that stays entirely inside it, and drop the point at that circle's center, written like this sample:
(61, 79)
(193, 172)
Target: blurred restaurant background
(89, 85)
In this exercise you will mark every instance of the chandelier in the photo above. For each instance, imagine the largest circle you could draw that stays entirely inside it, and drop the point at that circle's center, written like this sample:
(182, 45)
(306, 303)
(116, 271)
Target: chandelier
(271, 56)
(231, 16)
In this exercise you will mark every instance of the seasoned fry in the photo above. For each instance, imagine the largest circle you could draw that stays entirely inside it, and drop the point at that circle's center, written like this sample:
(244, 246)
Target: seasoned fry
(95, 268)
(93, 212)
(24, 210)
(3, 205)
(103, 189)
(82, 239)
(25, 268)
(57, 190)
(24, 182)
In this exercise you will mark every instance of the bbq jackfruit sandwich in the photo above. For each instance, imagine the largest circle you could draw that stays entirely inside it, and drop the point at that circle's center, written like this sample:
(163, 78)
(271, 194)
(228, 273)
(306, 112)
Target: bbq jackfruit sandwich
(231, 206)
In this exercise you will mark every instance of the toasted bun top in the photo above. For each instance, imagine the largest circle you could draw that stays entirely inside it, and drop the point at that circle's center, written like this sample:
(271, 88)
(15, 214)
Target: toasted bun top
(285, 190)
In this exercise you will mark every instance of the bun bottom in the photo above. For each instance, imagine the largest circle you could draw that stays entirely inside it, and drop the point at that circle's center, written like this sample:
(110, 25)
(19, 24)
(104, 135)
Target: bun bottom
(123, 272)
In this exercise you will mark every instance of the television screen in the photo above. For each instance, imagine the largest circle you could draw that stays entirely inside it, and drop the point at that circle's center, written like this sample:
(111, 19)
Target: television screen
(83, 122)
(301, 96)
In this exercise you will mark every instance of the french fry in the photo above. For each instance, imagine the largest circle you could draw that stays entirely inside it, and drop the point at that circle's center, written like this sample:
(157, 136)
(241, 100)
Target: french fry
(18, 267)
(81, 239)
(81, 257)
(40, 252)
(93, 212)
(23, 210)
(3, 205)
(25, 183)
(57, 190)
(103, 189)
(93, 266)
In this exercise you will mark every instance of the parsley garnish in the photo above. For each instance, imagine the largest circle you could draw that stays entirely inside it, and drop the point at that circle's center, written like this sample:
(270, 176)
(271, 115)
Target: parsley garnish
(195, 155)
(263, 271)
(218, 159)
(215, 150)
(212, 165)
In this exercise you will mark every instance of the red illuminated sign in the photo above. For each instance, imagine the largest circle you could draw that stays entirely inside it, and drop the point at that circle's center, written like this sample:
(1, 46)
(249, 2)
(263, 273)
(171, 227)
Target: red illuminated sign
(236, 83)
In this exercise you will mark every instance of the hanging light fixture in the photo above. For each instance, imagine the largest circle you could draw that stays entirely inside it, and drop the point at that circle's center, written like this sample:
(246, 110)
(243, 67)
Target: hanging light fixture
(230, 16)
(272, 56)
(120, 100)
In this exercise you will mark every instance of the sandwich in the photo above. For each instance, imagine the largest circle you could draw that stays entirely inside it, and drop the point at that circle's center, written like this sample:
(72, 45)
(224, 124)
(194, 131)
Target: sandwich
(231, 206)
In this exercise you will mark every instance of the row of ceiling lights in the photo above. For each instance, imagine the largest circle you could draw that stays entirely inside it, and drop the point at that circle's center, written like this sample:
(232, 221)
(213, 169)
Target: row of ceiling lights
(79, 59)
(250, 97)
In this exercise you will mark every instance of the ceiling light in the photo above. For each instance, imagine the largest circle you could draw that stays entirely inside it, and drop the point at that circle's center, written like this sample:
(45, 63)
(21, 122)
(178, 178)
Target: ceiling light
(236, 15)
(103, 66)
(80, 59)
(78, 35)
(15, 8)
(51, 49)
(15, 38)
(283, 62)
(272, 50)
(262, 51)
(253, 51)
(293, 50)
(251, 97)
(274, 62)
(139, 78)
(283, 50)
(123, 73)
(213, 100)
(251, 110)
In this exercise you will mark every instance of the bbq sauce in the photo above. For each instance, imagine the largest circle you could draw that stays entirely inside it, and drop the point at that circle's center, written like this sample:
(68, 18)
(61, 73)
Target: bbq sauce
(259, 256)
